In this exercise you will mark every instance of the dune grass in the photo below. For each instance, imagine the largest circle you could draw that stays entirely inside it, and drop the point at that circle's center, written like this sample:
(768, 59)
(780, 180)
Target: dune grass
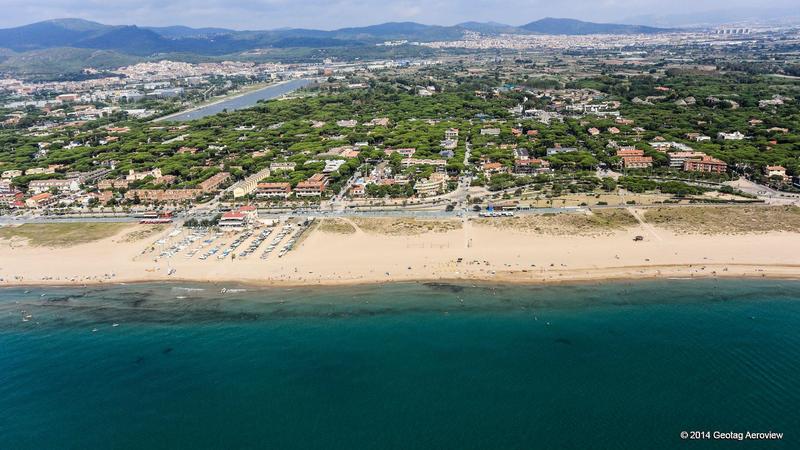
(726, 219)
(62, 234)
(405, 226)
(336, 226)
(602, 221)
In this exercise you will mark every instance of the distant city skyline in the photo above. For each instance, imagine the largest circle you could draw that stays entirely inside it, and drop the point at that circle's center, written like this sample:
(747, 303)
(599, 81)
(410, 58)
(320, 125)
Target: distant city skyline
(322, 14)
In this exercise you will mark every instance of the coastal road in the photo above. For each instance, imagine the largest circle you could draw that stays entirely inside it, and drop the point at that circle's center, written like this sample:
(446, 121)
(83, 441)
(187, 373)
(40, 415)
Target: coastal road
(430, 212)
(764, 192)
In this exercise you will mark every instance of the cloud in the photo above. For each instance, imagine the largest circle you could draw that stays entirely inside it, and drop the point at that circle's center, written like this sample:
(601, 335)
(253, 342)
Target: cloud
(327, 14)
(407, 11)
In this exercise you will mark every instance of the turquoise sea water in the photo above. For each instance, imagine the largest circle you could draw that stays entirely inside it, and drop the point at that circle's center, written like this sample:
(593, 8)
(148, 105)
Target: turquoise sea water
(402, 366)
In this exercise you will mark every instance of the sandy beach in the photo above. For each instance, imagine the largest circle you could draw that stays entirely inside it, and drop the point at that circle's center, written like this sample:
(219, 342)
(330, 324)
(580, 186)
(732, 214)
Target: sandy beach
(357, 251)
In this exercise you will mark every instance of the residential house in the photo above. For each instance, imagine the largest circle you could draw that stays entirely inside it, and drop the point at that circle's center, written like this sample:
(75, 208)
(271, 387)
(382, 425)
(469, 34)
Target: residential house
(90, 176)
(530, 166)
(637, 162)
(629, 152)
(6, 187)
(705, 164)
(350, 153)
(39, 186)
(67, 97)
(167, 180)
(40, 200)
(213, 183)
(358, 190)
(661, 146)
(332, 165)
(735, 136)
(163, 195)
(288, 166)
(347, 123)
(492, 167)
(314, 186)
(772, 102)
(273, 190)
(118, 183)
(408, 162)
(380, 122)
(105, 197)
(138, 176)
(556, 150)
(40, 171)
(249, 184)
(11, 200)
(449, 144)
(405, 152)
(776, 171)
(677, 159)
(434, 185)
(9, 195)
(118, 129)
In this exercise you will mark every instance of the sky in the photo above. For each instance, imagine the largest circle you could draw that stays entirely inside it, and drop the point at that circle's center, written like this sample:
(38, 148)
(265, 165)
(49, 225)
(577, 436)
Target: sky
(332, 14)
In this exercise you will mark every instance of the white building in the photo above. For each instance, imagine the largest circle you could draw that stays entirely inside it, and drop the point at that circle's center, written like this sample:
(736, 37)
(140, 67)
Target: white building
(136, 176)
(332, 165)
(434, 185)
(249, 184)
(735, 136)
(40, 186)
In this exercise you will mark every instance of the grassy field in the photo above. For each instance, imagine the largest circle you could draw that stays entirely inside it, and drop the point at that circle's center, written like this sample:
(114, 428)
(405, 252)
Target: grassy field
(62, 234)
(405, 226)
(602, 221)
(726, 219)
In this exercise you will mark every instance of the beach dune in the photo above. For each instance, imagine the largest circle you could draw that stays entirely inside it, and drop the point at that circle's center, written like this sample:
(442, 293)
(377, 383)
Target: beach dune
(382, 250)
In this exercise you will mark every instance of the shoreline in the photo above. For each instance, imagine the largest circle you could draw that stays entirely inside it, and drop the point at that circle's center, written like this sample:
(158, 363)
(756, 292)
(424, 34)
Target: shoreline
(788, 272)
(348, 252)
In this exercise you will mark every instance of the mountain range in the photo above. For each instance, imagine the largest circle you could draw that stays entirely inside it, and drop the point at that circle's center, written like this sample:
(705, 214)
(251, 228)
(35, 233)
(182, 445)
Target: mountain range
(145, 41)
(755, 14)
